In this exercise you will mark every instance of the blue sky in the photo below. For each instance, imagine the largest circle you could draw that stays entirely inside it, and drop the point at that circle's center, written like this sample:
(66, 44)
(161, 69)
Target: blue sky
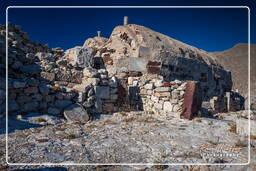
(208, 29)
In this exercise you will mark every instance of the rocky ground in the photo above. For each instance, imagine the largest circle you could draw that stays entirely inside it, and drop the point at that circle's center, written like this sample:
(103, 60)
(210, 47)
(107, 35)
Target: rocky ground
(134, 137)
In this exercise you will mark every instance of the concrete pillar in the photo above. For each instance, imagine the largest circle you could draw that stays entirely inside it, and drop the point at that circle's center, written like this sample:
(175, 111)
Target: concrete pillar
(228, 100)
(125, 20)
(98, 32)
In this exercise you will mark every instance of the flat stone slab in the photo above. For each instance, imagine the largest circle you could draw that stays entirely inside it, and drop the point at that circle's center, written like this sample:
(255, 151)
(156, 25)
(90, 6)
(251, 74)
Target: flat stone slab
(192, 100)
(76, 113)
(137, 64)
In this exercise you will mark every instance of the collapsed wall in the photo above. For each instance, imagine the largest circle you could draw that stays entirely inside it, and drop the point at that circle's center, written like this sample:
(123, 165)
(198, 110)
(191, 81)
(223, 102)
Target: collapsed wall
(97, 78)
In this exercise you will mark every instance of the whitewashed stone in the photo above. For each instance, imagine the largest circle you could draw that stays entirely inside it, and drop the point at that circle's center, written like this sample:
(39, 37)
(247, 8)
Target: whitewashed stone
(158, 83)
(149, 86)
(154, 99)
(162, 89)
(158, 106)
(175, 94)
(168, 106)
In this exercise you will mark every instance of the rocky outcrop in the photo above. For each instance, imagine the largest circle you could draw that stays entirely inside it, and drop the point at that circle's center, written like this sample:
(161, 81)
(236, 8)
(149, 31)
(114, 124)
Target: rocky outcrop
(137, 48)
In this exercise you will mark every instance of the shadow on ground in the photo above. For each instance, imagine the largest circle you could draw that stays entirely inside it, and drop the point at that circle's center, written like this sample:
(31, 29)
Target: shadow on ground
(15, 124)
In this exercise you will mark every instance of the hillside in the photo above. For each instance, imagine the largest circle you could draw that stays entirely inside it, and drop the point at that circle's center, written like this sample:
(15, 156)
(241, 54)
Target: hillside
(235, 59)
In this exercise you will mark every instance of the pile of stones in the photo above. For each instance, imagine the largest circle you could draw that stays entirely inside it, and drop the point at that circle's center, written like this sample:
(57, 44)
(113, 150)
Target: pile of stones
(41, 80)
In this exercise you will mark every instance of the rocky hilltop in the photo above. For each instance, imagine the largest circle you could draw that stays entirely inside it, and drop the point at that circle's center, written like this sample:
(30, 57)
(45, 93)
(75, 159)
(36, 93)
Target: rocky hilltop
(137, 48)
(108, 100)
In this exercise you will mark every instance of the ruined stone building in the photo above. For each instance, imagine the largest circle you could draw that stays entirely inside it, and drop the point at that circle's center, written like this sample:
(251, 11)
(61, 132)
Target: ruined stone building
(135, 69)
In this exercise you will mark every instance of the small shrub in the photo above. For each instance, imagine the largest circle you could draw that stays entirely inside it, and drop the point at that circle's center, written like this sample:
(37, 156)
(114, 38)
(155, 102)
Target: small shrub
(210, 123)
(71, 136)
(253, 137)
(159, 166)
(129, 119)
(239, 143)
(212, 142)
(232, 128)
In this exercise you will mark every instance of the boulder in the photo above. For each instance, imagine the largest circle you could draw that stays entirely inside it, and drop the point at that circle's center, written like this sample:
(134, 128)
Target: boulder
(76, 113)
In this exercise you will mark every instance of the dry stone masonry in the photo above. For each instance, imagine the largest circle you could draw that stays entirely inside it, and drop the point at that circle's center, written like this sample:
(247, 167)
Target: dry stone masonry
(135, 69)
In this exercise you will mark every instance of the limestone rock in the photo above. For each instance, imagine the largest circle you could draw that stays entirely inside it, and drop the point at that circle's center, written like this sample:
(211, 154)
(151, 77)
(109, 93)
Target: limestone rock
(149, 86)
(163, 89)
(168, 106)
(76, 113)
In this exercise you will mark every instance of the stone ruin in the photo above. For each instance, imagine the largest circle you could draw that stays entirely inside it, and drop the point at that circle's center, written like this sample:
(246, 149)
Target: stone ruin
(135, 69)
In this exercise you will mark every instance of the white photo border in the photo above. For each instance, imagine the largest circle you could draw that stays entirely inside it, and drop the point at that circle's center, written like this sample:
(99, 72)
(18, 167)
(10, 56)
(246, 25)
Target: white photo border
(148, 164)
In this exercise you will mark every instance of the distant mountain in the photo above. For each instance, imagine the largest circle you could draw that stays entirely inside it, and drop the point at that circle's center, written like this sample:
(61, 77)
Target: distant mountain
(235, 59)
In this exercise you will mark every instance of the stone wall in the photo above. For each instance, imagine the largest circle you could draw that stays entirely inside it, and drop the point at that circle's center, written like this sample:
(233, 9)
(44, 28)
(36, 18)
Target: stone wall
(44, 80)
(164, 98)
(214, 80)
